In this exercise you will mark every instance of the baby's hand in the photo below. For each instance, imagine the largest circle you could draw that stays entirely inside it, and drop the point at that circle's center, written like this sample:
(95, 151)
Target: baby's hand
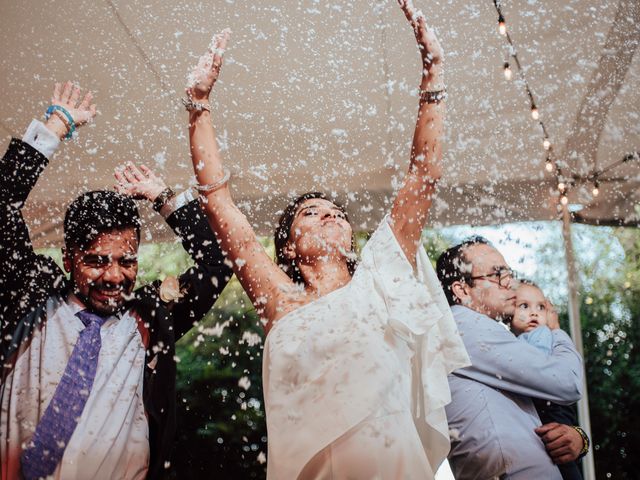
(553, 323)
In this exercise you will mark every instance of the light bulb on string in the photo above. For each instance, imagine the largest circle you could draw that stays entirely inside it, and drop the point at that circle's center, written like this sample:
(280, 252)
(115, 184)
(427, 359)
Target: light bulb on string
(534, 112)
(548, 165)
(502, 25)
(596, 188)
(507, 71)
(563, 199)
(546, 143)
(561, 187)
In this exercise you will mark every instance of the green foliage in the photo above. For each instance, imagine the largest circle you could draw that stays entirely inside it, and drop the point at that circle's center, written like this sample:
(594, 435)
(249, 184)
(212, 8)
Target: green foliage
(610, 314)
(222, 429)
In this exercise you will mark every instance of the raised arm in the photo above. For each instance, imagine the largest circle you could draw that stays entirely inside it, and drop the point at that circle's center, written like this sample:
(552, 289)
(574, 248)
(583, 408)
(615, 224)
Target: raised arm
(411, 206)
(25, 277)
(261, 278)
(20, 169)
(194, 293)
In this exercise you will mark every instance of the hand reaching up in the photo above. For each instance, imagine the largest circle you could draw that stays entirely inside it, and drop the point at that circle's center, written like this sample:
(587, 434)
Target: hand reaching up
(552, 321)
(204, 75)
(67, 97)
(138, 183)
(430, 49)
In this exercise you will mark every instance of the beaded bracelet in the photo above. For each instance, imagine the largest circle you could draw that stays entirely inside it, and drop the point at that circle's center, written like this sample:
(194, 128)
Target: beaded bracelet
(191, 106)
(71, 125)
(585, 441)
(431, 96)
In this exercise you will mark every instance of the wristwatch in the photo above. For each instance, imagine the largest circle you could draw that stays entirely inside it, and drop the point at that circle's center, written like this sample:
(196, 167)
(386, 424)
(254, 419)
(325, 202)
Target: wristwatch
(163, 198)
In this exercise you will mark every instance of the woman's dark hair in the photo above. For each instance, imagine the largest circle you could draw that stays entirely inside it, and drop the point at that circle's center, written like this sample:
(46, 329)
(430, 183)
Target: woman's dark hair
(453, 266)
(95, 212)
(283, 231)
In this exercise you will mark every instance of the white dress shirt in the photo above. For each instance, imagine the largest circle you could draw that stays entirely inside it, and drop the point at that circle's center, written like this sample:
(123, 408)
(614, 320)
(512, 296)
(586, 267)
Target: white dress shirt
(111, 440)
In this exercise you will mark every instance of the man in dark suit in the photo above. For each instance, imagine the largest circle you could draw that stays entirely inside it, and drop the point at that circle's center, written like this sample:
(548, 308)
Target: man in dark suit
(88, 364)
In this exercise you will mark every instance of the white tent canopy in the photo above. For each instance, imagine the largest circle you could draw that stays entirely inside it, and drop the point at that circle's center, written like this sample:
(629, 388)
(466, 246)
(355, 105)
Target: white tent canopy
(321, 95)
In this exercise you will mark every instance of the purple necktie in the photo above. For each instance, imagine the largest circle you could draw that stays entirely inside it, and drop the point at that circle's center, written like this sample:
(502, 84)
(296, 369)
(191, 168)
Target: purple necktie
(42, 455)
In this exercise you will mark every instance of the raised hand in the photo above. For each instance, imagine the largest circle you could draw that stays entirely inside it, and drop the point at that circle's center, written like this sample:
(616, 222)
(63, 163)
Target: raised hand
(552, 320)
(139, 183)
(67, 96)
(204, 75)
(430, 49)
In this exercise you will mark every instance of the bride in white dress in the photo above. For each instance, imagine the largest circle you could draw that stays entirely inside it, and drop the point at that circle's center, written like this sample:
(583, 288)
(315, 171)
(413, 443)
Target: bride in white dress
(356, 356)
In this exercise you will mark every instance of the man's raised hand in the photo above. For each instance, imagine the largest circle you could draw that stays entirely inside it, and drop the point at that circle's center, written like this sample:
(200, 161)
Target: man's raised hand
(137, 182)
(67, 97)
(204, 75)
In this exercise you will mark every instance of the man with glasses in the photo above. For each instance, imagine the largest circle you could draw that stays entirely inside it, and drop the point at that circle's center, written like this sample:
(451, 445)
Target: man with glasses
(495, 429)
(88, 363)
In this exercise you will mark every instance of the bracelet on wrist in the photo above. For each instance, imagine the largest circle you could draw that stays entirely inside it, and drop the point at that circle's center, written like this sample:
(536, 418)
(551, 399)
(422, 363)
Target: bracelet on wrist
(432, 96)
(212, 187)
(192, 106)
(64, 116)
(161, 200)
(585, 441)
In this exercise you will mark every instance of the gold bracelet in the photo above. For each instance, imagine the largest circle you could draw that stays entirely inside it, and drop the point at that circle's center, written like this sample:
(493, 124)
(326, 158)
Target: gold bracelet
(585, 440)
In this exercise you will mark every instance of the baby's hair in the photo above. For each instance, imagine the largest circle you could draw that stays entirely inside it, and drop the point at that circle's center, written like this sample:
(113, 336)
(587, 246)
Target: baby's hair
(530, 283)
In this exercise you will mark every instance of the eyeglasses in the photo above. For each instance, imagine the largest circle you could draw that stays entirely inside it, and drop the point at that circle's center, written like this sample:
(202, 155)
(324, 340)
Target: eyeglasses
(502, 275)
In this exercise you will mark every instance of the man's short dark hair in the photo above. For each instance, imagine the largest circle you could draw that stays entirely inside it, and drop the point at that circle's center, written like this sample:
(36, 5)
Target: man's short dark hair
(96, 212)
(453, 266)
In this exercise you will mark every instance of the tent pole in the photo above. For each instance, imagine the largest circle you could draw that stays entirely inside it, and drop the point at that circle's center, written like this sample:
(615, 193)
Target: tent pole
(588, 468)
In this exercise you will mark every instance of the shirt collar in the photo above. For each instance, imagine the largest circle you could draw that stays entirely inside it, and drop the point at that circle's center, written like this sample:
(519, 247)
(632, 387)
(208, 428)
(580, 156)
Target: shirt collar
(76, 305)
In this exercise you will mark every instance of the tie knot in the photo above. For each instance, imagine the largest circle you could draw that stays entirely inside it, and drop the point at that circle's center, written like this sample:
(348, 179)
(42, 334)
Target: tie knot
(88, 318)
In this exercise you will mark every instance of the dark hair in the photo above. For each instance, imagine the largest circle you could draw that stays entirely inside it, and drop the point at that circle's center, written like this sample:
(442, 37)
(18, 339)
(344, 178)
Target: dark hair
(453, 266)
(283, 231)
(95, 212)
(529, 283)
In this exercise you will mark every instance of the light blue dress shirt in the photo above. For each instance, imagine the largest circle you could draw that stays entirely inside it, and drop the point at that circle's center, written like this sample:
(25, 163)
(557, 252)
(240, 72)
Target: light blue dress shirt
(540, 337)
(491, 415)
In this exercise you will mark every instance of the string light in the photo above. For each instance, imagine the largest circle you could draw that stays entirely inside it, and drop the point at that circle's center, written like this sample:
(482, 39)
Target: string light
(534, 112)
(548, 165)
(507, 71)
(502, 25)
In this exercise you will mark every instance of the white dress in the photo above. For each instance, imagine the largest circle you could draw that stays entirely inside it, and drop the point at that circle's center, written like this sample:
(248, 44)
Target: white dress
(355, 383)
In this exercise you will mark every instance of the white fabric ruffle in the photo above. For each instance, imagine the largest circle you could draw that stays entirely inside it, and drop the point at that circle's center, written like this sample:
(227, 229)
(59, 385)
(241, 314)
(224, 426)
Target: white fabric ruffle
(332, 363)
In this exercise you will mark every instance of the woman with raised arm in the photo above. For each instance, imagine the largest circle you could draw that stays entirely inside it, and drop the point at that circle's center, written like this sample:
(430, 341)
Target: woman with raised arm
(356, 356)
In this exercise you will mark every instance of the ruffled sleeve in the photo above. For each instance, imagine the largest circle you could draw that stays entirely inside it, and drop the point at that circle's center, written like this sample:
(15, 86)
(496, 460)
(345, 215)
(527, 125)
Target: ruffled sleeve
(419, 313)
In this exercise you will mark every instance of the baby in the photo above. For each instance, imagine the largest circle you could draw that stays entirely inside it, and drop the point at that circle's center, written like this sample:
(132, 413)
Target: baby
(534, 317)
(532, 322)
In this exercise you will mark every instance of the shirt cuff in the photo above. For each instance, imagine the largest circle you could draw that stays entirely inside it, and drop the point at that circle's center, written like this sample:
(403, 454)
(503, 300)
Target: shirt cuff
(176, 203)
(41, 138)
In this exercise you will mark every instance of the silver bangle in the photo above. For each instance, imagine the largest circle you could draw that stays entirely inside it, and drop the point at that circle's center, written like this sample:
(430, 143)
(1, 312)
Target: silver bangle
(212, 187)
(191, 106)
(432, 96)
